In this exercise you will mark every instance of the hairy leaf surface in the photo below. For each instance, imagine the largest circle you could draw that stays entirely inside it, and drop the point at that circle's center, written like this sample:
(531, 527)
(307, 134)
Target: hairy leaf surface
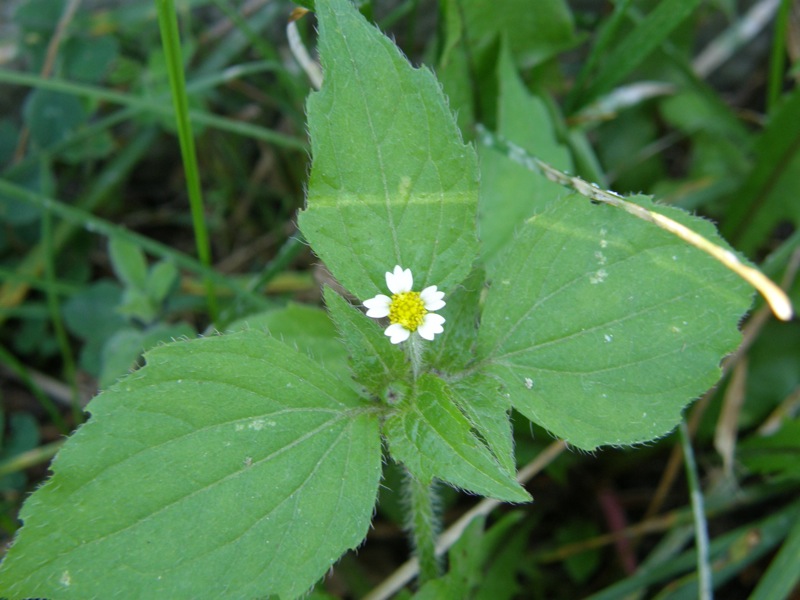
(603, 327)
(433, 438)
(391, 182)
(230, 466)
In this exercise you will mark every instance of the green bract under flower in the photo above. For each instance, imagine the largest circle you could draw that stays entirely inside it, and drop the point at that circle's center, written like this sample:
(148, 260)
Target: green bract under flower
(408, 311)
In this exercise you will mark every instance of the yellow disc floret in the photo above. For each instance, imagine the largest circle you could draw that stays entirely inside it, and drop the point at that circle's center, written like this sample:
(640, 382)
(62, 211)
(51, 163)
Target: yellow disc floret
(407, 309)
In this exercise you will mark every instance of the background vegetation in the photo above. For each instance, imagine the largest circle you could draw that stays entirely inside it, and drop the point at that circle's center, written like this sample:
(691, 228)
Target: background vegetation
(104, 253)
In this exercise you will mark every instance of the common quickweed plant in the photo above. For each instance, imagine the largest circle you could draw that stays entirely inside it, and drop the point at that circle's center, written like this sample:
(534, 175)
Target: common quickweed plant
(472, 278)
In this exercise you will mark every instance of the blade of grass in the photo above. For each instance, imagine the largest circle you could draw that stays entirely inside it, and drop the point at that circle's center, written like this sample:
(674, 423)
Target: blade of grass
(676, 523)
(705, 590)
(731, 552)
(784, 570)
(290, 249)
(629, 53)
(604, 37)
(29, 310)
(67, 357)
(201, 118)
(762, 195)
(171, 42)
(777, 59)
(60, 288)
(725, 45)
(266, 51)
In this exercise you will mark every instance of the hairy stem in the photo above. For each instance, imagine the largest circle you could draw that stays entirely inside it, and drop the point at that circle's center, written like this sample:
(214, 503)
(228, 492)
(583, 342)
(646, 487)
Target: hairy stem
(423, 526)
(414, 347)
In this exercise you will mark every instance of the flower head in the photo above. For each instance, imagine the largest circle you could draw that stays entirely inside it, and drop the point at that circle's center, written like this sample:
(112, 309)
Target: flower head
(407, 311)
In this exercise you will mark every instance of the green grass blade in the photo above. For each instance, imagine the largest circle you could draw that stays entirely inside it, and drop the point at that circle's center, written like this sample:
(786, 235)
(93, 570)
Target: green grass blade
(59, 288)
(705, 590)
(604, 38)
(170, 38)
(784, 571)
(731, 553)
(153, 106)
(777, 59)
(644, 38)
(53, 306)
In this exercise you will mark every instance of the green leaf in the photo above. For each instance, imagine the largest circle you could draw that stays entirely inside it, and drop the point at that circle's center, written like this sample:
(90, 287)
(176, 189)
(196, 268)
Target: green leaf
(33, 177)
(376, 363)
(229, 466)
(391, 181)
(161, 280)
(39, 15)
(453, 68)
(129, 262)
(479, 398)
(487, 407)
(454, 348)
(603, 327)
(307, 329)
(510, 193)
(91, 315)
(98, 146)
(52, 116)
(136, 305)
(432, 438)
(533, 35)
(506, 557)
(89, 59)
(122, 351)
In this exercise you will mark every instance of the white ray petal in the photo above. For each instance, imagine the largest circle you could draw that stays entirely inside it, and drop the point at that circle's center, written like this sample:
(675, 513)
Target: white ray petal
(432, 299)
(397, 333)
(400, 280)
(431, 325)
(378, 307)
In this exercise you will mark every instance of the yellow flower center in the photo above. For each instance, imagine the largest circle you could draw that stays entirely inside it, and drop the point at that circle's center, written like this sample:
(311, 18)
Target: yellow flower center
(407, 309)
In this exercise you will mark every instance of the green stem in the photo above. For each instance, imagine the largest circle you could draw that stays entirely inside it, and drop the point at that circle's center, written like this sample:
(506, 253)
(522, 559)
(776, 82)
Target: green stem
(423, 525)
(777, 59)
(170, 38)
(54, 307)
(415, 348)
(705, 587)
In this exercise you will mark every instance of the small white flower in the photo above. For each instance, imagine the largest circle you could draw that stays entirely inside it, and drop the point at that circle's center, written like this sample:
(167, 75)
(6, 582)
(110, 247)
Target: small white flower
(407, 311)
